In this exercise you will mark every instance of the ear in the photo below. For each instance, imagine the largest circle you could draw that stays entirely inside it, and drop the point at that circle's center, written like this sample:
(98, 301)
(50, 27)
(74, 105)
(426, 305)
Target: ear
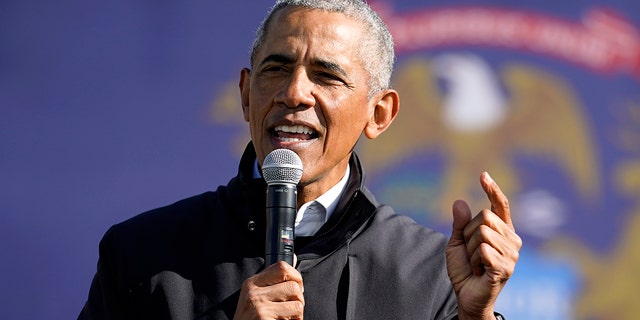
(384, 111)
(245, 89)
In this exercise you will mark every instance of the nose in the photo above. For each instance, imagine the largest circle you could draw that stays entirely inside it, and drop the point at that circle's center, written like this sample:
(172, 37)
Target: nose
(298, 91)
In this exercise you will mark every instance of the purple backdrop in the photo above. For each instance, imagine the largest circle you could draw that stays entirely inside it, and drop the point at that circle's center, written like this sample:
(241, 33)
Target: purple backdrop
(112, 108)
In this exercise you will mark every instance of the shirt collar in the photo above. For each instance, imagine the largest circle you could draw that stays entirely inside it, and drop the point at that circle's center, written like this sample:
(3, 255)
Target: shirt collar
(328, 200)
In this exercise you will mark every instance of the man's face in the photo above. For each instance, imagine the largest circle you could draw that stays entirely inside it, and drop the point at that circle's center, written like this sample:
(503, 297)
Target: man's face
(308, 92)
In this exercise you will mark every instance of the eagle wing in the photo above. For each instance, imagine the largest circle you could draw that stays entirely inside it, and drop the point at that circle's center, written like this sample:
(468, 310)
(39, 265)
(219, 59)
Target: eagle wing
(546, 121)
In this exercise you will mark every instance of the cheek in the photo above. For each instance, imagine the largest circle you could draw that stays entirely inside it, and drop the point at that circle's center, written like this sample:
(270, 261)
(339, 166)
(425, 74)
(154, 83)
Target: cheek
(346, 128)
(353, 119)
(257, 111)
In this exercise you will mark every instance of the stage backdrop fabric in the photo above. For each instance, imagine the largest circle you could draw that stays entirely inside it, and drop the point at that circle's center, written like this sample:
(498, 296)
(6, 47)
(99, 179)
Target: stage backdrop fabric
(112, 108)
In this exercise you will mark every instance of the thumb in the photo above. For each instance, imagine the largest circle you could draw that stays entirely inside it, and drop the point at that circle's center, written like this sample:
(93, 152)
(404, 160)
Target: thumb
(461, 217)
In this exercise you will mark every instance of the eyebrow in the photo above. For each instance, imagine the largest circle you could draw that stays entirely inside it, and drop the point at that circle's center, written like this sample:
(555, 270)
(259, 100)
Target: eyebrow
(331, 66)
(286, 59)
(279, 58)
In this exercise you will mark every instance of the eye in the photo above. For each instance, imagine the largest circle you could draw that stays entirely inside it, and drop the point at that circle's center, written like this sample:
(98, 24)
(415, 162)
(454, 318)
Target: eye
(274, 69)
(329, 77)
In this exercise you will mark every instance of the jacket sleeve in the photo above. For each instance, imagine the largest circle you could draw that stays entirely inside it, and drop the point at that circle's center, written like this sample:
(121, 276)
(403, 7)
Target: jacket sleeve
(103, 300)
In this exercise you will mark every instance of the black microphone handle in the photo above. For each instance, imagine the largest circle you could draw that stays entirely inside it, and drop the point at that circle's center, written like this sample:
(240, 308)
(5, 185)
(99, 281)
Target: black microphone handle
(281, 216)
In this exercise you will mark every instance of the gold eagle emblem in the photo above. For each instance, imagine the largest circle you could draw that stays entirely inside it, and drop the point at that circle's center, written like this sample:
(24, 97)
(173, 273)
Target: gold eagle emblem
(476, 127)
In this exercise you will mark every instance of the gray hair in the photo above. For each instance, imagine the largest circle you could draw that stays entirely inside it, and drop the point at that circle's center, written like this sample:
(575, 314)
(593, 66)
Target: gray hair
(377, 53)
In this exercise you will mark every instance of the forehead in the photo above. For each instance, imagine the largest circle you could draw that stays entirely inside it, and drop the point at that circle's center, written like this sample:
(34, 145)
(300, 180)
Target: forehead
(313, 31)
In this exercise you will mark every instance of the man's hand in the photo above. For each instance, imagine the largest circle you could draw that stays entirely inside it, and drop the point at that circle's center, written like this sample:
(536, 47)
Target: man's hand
(481, 253)
(274, 293)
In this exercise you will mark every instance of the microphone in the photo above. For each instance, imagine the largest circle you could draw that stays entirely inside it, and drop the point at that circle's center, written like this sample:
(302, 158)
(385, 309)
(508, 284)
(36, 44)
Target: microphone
(282, 170)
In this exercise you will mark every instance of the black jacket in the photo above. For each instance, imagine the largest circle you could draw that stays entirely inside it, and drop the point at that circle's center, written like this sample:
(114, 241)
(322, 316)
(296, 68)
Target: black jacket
(188, 260)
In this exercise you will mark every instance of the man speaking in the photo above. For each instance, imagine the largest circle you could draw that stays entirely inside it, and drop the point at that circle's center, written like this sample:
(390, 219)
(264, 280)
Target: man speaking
(319, 80)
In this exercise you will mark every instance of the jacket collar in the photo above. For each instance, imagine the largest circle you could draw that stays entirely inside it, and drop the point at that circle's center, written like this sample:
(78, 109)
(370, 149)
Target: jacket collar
(355, 206)
(247, 195)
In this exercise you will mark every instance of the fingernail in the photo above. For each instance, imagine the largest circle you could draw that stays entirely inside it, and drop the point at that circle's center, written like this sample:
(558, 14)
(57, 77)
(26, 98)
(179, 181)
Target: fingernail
(489, 177)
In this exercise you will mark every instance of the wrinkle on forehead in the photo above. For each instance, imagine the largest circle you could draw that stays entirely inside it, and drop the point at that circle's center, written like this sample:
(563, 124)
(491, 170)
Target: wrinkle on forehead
(326, 32)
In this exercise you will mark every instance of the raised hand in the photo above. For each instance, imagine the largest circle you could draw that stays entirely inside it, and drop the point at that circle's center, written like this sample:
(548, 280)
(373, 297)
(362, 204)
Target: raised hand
(482, 252)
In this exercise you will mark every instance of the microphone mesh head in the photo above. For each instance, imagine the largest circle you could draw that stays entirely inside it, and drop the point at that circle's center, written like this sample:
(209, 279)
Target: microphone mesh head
(282, 166)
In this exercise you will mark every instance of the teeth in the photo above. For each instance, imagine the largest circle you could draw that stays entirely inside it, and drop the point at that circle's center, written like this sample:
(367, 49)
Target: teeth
(289, 139)
(295, 129)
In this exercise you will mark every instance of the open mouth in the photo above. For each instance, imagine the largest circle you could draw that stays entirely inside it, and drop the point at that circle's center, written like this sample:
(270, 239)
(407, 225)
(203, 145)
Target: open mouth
(294, 133)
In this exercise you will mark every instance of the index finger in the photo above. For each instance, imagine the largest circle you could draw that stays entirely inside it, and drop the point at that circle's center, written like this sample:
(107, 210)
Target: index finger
(499, 201)
(277, 273)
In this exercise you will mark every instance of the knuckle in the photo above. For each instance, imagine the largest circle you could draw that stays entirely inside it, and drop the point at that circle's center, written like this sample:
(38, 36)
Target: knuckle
(485, 249)
(248, 284)
(263, 314)
(293, 289)
(290, 287)
(253, 297)
(298, 307)
(516, 257)
(504, 202)
(484, 231)
(518, 242)
(508, 268)
(485, 214)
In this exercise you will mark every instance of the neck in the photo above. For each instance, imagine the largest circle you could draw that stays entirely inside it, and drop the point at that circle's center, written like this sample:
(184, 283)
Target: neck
(312, 190)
